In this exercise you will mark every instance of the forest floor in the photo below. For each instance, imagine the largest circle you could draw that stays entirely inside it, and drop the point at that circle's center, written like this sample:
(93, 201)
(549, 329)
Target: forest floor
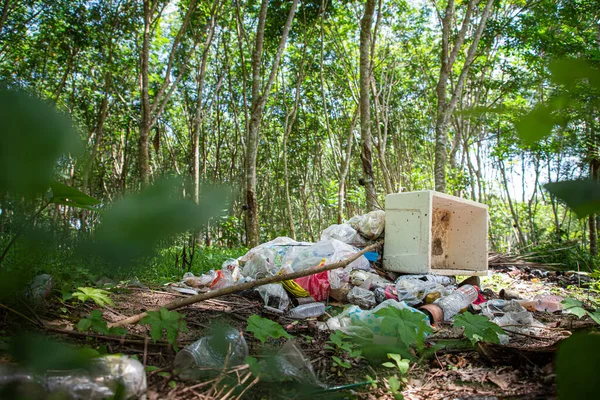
(522, 369)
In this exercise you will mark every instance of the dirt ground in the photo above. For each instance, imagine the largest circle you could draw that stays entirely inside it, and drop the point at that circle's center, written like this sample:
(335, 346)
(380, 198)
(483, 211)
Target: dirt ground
(522, 369)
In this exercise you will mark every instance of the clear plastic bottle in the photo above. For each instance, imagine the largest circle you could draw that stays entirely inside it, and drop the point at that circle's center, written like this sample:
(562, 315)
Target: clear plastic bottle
(458, 300)
(105, 377)
(307, 310)
(210, 353)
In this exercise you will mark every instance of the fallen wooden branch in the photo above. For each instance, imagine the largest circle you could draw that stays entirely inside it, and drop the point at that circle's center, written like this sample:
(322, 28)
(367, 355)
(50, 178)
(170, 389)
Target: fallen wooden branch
(179, 303)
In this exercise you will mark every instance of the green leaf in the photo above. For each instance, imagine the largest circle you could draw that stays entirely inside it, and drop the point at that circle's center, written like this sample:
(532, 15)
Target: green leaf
(410, 327)
(170, 322)
(478, 327)
(394, 384)
(577, 366)
(263, 328)
(401, 364)
(581, 195)
(63, 194)
(574, 307)
(84, 325)
(150, 368)
(172, 384)
(595, 316)
(389, 365)
(98, 296)
(536, 125)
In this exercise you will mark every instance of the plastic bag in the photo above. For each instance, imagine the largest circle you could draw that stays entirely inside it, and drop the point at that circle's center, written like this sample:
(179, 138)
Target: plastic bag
(385, 293)
(331, 251)
(365, 325)
(260, 264)
(344, 233)
(338, 283)
(414, 291)
(274, 296)
(355, 221)
(222, 280)
(361, 297)
(372, 224)
(317, 285)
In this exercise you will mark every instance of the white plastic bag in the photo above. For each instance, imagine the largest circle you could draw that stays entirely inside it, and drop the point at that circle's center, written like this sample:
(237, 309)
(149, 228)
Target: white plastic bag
(361, 297)
(372, 224)
(274, 296)
(344, 233)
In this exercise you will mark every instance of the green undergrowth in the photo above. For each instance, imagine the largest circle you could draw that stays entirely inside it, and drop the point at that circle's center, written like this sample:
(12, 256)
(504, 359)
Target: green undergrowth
(563, 256)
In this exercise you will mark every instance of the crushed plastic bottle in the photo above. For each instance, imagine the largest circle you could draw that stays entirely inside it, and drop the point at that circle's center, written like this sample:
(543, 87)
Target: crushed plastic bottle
(457, 301)
(107, 376)
(210, 353)
(307, 310)
(546, 303)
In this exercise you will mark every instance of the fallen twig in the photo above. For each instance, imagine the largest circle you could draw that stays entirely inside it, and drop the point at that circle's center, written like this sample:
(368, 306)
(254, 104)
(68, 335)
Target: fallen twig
(245, 286)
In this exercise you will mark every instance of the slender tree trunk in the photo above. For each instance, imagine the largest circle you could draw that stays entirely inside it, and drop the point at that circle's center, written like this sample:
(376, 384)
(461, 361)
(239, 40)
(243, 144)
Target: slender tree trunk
(258, 104)
(146, 120)
(445, 108)
(365, 105)
(346, 168)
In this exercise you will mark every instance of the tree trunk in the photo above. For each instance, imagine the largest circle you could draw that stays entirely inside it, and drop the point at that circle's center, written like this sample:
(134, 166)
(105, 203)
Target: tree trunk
(258, 104)
(445, 108)
(365, 106)
(145, 122)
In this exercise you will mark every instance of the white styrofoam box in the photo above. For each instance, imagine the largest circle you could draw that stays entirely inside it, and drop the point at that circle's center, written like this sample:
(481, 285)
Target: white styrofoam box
(428, 232)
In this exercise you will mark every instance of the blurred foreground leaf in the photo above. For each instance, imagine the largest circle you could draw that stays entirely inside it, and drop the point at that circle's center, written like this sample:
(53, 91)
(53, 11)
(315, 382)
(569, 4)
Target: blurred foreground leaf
(41, 354)
(32, 139)
(577, 366)
(581, 195)
(67, 195)
(133, 226)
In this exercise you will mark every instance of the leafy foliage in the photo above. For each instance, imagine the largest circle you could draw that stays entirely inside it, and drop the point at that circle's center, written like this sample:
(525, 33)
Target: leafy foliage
(95, 322)
(409, 327)
(98, 296)
(577, 366)
(399, 363)
(478, 328)
(263, 329)
(582, 195)
(575, 307)
(170, 322)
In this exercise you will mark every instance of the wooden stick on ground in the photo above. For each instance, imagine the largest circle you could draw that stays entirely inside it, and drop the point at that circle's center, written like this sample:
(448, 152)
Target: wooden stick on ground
(179, 303)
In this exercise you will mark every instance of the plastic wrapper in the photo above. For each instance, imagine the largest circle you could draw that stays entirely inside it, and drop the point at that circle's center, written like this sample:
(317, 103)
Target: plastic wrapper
(344, 233)
(367, 280)
(365, 325)
(317, 285)
(371, 225)
(260, 264)
(414, 291)
(203, 280)
(102, 380)
(40, 287)
(274, 295)
(209, 353)
(361, 297)
(338, 284)
(385, 293)
(511, 312)
(233, 266)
